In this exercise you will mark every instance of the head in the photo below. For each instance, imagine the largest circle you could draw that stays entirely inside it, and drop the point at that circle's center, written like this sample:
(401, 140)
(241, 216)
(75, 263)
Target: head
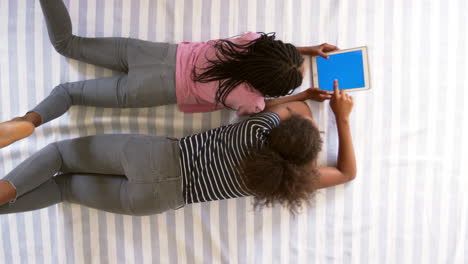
(272, 67)
(283, 170)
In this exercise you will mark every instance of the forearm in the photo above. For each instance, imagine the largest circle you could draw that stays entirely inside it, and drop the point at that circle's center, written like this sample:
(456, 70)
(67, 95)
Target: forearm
(346, 156)
(302, 50)
(286, 99)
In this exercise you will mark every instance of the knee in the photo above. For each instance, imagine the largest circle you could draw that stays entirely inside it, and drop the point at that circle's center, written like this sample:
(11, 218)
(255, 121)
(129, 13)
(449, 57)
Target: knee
(63, 46)
(59, 89)
(62, 91)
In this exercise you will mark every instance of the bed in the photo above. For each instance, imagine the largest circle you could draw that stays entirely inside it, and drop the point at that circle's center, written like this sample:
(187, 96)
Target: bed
(408, 203)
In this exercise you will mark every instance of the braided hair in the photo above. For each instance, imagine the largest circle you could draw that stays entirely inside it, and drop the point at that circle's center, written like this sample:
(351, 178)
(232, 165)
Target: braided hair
(270, 66)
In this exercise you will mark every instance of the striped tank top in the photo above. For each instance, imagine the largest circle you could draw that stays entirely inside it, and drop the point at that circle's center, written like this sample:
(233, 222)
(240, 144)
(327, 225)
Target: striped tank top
(209, 160)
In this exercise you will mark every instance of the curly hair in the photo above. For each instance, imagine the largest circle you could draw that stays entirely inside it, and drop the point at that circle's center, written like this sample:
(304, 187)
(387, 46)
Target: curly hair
(270, 66)
(279, 171)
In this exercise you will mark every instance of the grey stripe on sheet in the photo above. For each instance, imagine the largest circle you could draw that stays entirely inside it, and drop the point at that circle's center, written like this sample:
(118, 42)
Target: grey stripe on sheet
(407, 205)
(35, 217)
(17, 28)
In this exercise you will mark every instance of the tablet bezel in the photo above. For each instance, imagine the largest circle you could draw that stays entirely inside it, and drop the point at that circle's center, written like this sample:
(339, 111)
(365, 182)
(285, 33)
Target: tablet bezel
(365, 62)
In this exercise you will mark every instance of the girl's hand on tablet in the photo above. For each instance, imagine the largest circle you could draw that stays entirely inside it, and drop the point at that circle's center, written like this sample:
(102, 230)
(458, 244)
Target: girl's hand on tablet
(318, 95)
(319, 50)
(341, 103)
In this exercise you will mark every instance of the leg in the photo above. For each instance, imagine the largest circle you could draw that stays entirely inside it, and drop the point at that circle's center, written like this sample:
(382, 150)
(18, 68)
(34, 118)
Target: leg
(117, 194)
(152, 182)
(102, 192)
(43, 196)
(107, 52)
(109, 193)
(97, 155)
(113, 91)
(104, 92)
(151, 66)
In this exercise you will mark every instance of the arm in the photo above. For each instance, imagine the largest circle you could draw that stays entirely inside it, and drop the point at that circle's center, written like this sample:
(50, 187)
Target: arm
(319, 50)
(286, 99)
(345, 170)
(312, 93)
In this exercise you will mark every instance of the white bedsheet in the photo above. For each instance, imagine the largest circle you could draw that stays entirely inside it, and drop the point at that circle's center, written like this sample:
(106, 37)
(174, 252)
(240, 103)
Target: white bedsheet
(408, 204)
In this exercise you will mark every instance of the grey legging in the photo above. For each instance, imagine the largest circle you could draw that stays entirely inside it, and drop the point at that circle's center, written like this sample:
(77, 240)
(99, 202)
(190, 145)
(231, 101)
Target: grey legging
(126, 174)
(148, 69)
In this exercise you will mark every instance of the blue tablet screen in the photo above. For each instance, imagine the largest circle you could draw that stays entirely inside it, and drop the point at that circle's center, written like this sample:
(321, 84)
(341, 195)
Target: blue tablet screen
(347, 67)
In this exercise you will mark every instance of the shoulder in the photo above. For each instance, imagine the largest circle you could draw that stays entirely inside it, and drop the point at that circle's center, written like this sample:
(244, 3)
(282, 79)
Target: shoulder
(256, 127)
(244, 38)
(286, 110)
(265, 121)
(246, 99)
(250, 35)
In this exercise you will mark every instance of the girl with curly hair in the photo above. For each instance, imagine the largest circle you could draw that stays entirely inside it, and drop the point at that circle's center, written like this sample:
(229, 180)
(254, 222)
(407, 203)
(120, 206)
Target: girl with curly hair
(270, 156)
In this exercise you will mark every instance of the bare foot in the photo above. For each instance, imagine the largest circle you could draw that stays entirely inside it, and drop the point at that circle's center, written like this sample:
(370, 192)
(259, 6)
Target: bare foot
(13, 130)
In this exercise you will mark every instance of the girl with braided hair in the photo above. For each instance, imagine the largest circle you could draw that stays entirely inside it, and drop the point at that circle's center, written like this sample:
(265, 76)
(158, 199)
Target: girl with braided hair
(237, 73)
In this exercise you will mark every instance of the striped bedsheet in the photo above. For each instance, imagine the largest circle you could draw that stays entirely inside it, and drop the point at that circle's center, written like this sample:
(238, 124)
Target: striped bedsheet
(408, 204)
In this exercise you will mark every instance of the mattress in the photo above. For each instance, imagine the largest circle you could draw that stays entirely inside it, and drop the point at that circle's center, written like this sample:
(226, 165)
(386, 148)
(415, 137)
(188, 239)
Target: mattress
(408, 203)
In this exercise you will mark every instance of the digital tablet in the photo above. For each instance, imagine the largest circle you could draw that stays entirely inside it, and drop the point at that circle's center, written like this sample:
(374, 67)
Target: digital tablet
(350, 67)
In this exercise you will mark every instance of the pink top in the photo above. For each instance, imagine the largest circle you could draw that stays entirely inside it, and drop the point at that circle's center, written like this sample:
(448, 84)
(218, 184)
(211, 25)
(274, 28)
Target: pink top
(195, 97)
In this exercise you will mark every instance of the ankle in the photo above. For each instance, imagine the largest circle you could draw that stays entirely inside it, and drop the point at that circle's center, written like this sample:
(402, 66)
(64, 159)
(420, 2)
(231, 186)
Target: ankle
(7, 192)
(33, 118)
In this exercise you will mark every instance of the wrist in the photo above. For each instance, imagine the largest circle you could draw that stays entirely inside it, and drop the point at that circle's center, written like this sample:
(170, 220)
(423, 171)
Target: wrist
(302, 96)
(342, 120)
(304, 50)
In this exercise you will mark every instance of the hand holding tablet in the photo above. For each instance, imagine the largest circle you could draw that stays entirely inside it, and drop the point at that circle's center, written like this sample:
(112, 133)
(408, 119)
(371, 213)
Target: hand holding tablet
(321, 50)
(318, 95)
